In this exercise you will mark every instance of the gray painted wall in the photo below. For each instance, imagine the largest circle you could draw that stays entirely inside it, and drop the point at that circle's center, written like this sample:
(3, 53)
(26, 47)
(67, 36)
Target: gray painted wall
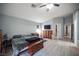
(61, 22)
(78, 24)
(49, 22)
(13, 25)
(76, 27)
(60, 26)
(56, 21)
(0, 24)
(68, 21)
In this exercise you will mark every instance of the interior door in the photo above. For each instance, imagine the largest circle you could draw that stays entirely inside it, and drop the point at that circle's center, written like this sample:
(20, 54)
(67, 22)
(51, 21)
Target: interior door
(59, 30)
(72, 32)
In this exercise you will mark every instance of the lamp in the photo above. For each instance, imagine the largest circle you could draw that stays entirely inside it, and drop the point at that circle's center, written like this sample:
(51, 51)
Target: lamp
(38, 31)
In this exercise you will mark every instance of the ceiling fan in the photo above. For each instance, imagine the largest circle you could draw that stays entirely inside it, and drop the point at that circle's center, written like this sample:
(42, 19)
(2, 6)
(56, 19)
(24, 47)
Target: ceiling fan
(47, 5)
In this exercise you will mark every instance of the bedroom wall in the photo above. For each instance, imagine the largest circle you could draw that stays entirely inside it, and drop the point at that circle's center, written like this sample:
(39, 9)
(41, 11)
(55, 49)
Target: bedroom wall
(78, 24)
(49, 22)
(12, 25)
(60, 21)
(60, 26)
(53, 23)
(76, 27)
(68, 21)
(0, 24)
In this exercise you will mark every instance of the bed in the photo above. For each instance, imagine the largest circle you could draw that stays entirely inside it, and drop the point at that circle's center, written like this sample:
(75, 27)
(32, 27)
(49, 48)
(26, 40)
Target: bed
(20, 43)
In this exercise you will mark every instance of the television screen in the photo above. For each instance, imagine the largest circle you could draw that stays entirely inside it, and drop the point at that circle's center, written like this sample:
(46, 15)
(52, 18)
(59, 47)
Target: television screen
(47, 26)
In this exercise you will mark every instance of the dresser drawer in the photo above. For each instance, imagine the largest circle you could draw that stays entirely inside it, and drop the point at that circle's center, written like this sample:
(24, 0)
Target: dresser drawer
(0, 43)
(0, 38)
(0, 33)
(0, 46)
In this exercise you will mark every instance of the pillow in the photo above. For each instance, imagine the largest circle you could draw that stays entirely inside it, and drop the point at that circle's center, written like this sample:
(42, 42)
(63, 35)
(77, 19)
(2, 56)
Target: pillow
(17, 36)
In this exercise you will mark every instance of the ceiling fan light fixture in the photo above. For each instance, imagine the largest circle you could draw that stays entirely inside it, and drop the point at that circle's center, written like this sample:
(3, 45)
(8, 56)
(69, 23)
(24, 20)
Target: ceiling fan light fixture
(49, 6)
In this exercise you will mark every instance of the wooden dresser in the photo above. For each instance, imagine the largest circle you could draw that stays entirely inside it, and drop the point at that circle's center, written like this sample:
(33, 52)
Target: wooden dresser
(47, 34)
(0, 42)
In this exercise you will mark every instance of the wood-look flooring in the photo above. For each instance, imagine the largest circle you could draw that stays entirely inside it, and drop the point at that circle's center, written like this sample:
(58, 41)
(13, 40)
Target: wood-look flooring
(54, 48)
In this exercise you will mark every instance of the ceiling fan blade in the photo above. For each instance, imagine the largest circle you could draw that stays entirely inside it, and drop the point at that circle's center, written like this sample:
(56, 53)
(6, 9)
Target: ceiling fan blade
(55, 4)
(33, 5)
(42, 6)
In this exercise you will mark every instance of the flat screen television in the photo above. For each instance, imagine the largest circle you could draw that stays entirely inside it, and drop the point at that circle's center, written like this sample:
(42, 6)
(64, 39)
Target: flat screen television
(47, 26)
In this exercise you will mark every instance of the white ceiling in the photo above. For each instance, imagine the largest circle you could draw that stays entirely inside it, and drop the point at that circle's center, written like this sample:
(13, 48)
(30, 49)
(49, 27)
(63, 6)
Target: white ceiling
(25, 11)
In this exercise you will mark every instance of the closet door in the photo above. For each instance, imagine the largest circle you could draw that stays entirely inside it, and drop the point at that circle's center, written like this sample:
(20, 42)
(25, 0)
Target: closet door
(59, 31)
(72, 32)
